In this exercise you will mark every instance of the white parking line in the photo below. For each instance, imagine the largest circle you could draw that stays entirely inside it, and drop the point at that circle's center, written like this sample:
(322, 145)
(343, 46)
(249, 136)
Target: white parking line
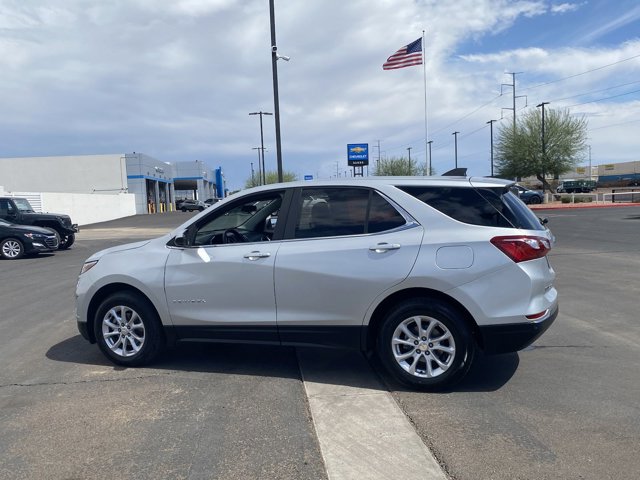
(361, 430)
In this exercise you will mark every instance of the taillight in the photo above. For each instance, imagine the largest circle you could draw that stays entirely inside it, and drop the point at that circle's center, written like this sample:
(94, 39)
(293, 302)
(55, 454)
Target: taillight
(521, 248)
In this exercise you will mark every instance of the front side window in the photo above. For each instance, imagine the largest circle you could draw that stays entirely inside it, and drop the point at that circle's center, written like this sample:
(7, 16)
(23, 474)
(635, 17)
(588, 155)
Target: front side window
(250, 220)
(335, 211)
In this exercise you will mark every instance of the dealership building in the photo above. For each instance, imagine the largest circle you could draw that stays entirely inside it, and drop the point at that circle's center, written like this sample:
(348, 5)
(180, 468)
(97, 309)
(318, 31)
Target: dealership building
(111, 186)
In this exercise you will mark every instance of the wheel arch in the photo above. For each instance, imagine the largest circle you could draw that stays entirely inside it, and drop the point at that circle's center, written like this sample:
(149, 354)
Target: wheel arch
(383, 308)
(103, 293)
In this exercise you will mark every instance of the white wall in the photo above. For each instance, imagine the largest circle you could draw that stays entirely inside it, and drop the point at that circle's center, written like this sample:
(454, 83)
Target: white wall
(69, 174)
(86, 208)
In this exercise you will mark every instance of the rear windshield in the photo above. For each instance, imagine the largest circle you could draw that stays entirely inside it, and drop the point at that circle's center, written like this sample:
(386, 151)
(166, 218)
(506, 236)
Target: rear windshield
(489, 207)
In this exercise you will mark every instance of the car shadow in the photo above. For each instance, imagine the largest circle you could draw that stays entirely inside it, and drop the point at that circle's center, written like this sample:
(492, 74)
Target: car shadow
(336, 366)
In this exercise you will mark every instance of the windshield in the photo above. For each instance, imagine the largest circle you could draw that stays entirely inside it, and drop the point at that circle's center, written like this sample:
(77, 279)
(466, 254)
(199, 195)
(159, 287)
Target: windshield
(23, 204)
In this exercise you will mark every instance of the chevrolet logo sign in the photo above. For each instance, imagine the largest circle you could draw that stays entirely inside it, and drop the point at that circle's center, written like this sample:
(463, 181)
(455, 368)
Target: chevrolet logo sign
(357, 150)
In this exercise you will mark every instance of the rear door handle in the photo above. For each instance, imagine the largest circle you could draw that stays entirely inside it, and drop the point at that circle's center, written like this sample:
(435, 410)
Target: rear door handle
(256, 255)
(384, 247)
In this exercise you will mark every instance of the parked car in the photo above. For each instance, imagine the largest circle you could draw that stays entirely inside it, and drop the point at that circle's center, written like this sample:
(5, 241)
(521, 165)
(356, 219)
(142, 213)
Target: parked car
(191, 205)
(576, 186)
(529, 196)
(20, 212)
(424, 272)
(211, 201)
(19, 240)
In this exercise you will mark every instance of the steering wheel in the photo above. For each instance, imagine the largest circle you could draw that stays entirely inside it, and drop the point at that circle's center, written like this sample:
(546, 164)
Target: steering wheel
(233, 235)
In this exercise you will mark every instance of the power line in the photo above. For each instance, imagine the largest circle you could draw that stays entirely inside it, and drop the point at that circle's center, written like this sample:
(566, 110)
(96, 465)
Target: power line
(595, 91)
(615, 125)
(602, 99)
(467, 115)
(582, 73)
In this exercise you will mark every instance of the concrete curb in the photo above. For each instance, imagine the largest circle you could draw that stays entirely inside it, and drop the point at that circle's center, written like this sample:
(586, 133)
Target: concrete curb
(568, 206)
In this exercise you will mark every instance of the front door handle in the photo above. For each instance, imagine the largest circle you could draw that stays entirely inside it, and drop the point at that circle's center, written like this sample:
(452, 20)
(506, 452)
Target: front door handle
(256, 255)
(384, 247)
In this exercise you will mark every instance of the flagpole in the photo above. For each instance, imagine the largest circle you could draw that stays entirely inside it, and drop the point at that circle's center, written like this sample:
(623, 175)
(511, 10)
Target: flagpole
(426, 122)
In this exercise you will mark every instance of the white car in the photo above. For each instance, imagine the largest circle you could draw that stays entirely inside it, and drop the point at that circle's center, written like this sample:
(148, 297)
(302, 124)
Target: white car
(424, 271)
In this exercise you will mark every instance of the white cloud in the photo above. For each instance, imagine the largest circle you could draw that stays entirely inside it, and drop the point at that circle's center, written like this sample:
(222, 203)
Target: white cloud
(565, 7)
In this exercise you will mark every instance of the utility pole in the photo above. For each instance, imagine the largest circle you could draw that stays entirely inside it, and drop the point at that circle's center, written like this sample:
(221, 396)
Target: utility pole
(455, 140)
(544, 145)
(378, 162)
(259, 167)
(513, 86)
(491, 122)
(253, 181)
(264, 174)
(276, 97)
(429, 169)
(409, 150)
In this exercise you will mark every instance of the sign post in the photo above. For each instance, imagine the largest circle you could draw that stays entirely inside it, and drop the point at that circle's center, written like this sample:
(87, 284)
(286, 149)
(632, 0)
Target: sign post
(358, 157)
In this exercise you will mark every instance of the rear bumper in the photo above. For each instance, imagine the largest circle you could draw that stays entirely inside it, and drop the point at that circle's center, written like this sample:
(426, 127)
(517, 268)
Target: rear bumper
(514, 336)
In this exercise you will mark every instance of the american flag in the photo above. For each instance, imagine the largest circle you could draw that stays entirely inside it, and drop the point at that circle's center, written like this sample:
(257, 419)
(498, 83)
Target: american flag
(408, 55)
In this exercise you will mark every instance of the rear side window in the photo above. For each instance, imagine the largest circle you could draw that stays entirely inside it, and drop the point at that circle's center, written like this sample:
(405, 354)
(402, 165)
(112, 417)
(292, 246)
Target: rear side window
(340, 211)
(488, 207)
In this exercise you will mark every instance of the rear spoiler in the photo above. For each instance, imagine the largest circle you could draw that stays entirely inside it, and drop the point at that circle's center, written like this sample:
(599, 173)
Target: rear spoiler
(456, 172)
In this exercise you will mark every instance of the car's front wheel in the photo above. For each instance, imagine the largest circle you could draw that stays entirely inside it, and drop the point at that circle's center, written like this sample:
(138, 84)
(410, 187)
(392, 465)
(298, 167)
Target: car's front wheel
(11, 249)
(425, 343)
(535, 200)
(128, 329)
(66, 241)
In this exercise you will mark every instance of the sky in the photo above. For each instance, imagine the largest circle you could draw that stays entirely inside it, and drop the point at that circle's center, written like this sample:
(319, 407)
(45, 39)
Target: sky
(177, 79)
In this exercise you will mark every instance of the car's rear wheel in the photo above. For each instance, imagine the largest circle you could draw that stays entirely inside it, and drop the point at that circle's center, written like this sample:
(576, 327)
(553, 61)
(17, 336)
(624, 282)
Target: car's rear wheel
(11, 248)
(535, 200)
(425, 343)
(128, 330)
(183, 209)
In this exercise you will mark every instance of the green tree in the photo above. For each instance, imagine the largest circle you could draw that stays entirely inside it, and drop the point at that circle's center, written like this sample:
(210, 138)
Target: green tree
(271, 177)
(519, 153)
(399, 167)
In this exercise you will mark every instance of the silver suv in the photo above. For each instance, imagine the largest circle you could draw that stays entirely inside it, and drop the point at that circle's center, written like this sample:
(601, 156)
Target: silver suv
(422, 271)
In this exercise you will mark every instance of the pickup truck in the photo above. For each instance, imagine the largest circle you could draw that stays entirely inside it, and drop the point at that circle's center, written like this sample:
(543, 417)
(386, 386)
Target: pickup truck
(576, 186)
(19, 211)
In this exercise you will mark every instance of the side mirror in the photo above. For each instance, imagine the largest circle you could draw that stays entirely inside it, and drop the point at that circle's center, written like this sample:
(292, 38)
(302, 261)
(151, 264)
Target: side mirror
(180, 241)
(544, 220)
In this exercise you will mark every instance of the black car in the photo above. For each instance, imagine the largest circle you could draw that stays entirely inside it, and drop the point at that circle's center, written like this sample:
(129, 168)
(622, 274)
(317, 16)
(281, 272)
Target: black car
(19, 240)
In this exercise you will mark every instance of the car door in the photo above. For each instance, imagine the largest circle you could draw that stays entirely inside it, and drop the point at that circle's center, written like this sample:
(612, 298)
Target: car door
(346, 246)
(219, 286)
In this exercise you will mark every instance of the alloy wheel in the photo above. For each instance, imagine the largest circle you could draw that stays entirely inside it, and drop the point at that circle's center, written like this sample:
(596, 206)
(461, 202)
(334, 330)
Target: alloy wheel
(123, 331)
(423, 346)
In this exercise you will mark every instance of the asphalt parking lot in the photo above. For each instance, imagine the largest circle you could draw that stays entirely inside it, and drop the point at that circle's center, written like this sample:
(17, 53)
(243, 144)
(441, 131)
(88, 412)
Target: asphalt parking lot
(567, 407)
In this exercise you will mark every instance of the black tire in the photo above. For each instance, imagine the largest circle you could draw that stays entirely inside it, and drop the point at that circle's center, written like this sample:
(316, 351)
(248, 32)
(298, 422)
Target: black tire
(535, 200)
(66, 241)
(140, 322)
(11, 249)
(200, 209)
(183, 209)
(430, 352)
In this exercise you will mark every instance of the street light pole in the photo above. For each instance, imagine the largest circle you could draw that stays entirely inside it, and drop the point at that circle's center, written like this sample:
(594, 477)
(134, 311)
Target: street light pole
(264, 174)
(276, 99)
(259, 167)
(455, 139)
(490, 122)
(544, 145)
(429, 168)
(409, 150)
